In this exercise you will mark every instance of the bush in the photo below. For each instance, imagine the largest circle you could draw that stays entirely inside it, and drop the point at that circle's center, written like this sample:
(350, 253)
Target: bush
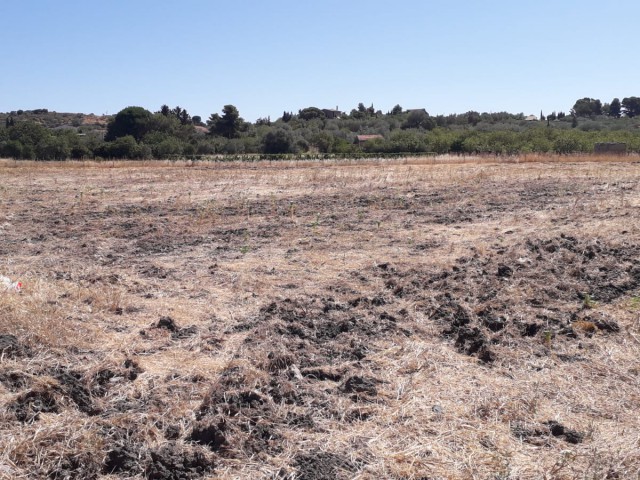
(278, 141)
(123, 147)
(166, 148)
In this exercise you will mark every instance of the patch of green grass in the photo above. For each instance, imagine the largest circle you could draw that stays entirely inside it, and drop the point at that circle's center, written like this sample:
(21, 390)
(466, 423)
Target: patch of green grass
(589, 302)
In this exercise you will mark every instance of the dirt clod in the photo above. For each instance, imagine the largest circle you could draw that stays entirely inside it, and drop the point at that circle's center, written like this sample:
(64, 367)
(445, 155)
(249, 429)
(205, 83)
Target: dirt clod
(14, 381)
(167, 323)
(569, 435)
(28, 406)
(323, 466)
(360, 385)
(123, 458)
(72, 384)
(171, 462)
(505, 271)
(209, 433)
(75, 466)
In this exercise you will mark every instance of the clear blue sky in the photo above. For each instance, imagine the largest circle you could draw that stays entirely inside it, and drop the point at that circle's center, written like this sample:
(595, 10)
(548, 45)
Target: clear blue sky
(273, 55)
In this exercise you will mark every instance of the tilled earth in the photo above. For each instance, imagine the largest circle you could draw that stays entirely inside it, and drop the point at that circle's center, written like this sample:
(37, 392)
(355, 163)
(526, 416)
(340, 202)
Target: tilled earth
(319, 321)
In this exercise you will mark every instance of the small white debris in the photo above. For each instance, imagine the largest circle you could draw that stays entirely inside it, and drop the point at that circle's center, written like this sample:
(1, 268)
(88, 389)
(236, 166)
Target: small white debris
(9, 285)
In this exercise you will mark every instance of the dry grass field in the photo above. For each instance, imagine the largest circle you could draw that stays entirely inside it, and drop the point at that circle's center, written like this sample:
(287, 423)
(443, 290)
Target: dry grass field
(430, 319)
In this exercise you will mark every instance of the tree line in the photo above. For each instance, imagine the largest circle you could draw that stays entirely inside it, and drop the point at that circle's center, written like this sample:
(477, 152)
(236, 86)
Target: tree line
(137, 133)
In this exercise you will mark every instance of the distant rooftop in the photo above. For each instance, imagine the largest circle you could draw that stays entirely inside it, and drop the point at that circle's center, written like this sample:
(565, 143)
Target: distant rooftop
(365, 138)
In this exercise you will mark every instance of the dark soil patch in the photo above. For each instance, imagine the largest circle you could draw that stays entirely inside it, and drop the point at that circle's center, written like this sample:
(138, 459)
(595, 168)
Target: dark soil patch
(505, 271)
(170, 462)
(320, 331)
(185, 332)
(14, 381)
(105, 378)
(603, 324)
(73, 385)
(322, 373)
(567, 434)
(474, 302)
(261, 437)
(235, 421)
(471, 340)
(279, 361)
(540, 434)
(75, 466)
(167, 323)
(533, 435)
(123, 459)
(231, 404)
(300, 421)
(323, 466)
(604, 271)
(10, 347)
(209, 433)
(172, 432)
(324, 319)
(154, 271)
(360, 387)
(458, 321)
(28, 406)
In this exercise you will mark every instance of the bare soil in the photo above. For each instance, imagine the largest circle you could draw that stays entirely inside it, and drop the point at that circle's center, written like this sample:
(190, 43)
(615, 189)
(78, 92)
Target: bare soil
(321, 320)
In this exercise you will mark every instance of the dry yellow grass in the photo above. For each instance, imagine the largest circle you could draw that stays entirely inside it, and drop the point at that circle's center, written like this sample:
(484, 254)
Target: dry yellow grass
(421, 318)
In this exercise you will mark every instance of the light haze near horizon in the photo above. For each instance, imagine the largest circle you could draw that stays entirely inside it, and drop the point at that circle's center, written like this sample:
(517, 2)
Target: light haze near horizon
(268, 57)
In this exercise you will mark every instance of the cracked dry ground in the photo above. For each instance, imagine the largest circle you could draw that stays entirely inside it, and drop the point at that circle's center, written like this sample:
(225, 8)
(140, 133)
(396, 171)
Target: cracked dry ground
(312, 321)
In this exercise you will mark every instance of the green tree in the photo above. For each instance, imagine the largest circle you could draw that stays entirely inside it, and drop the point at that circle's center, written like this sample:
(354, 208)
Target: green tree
(587, 107)
(80, 151)
(615, 108)
(278, 141)
(158, 123)
(228, 125)
(122, 147)
(28, 133)
(184, 117)
(397, 110)
(310, 113)
(473, 117)
(419, 119)
(631, 106)
(53, 148)
(11, 149)
(361, 113)
(166, 148)
(129, 121)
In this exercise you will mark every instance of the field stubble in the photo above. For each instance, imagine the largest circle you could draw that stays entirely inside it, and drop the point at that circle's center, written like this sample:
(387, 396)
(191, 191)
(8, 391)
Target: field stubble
(315, 320)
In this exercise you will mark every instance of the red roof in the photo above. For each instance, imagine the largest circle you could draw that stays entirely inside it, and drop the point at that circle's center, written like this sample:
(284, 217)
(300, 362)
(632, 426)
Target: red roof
(364, 138)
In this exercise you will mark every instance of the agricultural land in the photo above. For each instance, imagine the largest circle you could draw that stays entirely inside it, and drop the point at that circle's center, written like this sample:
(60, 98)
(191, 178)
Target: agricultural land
(428, 318)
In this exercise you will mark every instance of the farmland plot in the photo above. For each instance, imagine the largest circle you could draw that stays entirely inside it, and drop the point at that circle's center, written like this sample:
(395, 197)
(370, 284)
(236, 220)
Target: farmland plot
(320, 320)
